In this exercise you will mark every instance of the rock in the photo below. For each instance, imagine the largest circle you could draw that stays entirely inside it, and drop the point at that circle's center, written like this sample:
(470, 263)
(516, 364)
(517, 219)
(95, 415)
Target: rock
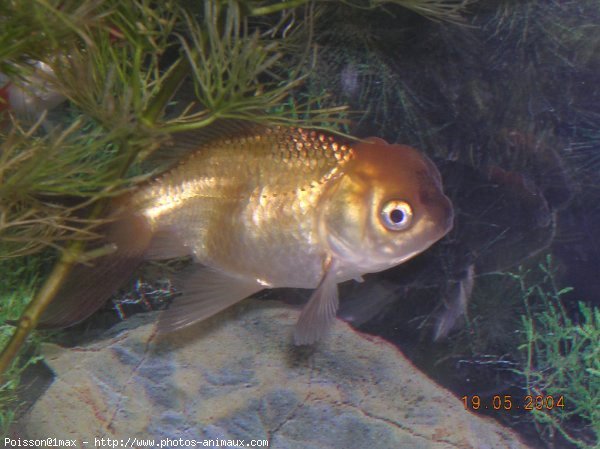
(238, 376)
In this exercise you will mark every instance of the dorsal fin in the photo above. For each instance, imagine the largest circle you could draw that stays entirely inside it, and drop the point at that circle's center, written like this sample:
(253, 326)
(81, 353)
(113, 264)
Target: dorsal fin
(182, 144)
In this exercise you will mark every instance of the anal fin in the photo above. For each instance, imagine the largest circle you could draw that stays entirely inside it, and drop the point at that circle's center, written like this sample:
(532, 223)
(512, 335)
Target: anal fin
(206, 292)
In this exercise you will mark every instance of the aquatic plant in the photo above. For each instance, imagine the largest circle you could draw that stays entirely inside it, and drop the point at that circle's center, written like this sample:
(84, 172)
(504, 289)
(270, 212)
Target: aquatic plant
(54, 24)
(20, 278)
(119, 64)
(117, 76)
(438, 10)
(525, 331)
(136, 71)
(437, 85)
(561, 359)
(132, 72)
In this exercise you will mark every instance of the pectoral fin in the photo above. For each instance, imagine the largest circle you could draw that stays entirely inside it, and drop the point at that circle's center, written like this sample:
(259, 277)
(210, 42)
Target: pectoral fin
(205, 292)
(319, 313)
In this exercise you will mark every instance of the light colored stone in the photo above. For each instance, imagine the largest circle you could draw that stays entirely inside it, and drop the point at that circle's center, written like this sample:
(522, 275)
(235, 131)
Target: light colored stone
(238, 376)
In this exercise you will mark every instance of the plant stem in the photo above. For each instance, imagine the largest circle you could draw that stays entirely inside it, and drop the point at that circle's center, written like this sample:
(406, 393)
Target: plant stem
(36, 307)
(177, 73)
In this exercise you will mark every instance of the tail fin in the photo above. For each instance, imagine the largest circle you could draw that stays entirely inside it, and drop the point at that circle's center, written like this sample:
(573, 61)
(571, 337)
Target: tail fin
(89, 286)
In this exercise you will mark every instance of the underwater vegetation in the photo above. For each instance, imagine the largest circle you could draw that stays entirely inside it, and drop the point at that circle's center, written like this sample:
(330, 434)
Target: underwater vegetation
(524, 330)
(131, 74)
(119, 65)
(509, 106)
(19, 281)
(502, 95)
(561, 357)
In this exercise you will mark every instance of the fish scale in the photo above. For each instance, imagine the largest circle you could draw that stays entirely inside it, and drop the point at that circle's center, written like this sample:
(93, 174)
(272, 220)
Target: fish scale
(271, 183)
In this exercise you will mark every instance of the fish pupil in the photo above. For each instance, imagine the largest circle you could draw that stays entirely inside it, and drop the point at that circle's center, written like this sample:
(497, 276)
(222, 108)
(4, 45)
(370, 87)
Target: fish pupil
(397, 216)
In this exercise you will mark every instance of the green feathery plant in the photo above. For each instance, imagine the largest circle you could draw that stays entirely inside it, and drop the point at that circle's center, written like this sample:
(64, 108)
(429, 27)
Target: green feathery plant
(120, 79)
(132, 72)
(438, 10)
(561, 359)
(36, 171)
(20, 278)
(35, 29)
(110, 60)
(554, 349)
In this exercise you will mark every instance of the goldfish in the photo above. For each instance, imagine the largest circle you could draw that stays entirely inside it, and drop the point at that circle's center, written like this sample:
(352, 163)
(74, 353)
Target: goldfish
(268, 207)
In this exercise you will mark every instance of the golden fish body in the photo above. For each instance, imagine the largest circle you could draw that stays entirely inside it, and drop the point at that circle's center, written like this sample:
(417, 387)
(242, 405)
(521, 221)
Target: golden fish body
(286, 207)
(251, 206)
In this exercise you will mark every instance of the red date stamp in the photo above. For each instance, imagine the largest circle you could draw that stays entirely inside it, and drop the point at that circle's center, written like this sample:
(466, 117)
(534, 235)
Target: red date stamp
(508, 402)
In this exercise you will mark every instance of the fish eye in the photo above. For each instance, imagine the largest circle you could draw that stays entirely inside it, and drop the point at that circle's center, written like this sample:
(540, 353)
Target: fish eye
(396, 215)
